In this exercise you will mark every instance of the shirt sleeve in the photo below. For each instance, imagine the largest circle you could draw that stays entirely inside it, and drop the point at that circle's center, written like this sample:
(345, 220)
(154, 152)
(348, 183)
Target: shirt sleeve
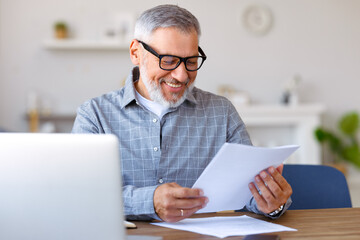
(236, 130)
(138, 202)
(86, 121)
(252, 207)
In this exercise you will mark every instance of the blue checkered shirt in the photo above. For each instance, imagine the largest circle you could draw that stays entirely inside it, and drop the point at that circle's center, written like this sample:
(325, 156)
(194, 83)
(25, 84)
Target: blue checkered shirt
(176, 148)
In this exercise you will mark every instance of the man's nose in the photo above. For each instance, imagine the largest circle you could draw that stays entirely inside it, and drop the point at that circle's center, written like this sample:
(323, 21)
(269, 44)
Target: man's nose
(180, 73)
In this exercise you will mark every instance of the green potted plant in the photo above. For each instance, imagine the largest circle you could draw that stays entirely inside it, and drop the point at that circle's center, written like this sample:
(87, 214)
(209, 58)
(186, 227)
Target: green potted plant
(61, 30)
(343, 145)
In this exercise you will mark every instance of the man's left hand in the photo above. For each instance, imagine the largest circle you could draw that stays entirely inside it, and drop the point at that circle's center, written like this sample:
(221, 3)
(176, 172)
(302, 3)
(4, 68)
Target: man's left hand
(274, 189)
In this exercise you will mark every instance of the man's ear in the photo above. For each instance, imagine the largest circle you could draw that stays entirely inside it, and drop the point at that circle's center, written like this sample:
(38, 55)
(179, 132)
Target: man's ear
(135, 52)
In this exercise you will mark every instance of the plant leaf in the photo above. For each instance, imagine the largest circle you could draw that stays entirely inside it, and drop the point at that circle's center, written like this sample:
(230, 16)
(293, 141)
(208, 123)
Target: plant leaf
(325, 136)
(320, 134)
(349, 123)
(352, 154)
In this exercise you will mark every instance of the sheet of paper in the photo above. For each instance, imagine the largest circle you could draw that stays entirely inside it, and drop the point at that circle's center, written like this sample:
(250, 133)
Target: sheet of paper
(226, 226)
(225, 180)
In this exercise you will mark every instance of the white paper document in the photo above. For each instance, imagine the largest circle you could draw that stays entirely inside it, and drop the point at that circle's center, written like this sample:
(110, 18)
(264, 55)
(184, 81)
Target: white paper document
(225, 180)
(226, 226)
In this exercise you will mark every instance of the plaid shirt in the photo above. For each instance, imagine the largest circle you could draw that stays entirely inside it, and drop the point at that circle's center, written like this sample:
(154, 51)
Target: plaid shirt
(176, 148)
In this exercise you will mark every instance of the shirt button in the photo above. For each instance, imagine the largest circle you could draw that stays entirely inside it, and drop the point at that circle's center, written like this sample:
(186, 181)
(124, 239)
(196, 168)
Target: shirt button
(154, 120)
(156, 149)
(161, 180)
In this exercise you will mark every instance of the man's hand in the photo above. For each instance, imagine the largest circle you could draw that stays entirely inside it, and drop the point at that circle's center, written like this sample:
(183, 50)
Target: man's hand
(173, 203)
(275, 190)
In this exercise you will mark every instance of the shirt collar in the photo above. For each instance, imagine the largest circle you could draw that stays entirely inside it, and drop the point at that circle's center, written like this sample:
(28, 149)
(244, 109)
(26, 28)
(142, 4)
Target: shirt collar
(129, 89)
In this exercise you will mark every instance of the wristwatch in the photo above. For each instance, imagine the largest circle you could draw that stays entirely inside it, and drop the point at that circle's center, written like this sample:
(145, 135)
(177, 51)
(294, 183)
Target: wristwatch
(277, 211)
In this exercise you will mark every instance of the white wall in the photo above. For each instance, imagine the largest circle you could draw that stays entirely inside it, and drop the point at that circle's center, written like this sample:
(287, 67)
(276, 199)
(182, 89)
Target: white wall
(320, 40)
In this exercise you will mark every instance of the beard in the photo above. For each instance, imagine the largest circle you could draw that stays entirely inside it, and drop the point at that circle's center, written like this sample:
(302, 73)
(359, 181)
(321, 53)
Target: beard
(156, 94)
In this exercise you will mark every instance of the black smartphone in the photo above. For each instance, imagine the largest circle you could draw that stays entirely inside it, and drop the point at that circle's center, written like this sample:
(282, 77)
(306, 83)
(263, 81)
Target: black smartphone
(261, 237)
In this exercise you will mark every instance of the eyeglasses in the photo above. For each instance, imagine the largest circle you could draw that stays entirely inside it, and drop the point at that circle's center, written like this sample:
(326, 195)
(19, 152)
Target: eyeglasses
(170, 62)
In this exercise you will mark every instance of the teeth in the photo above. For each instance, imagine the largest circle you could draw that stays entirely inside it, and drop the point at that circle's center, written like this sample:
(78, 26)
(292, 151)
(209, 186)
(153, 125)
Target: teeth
(173, 85)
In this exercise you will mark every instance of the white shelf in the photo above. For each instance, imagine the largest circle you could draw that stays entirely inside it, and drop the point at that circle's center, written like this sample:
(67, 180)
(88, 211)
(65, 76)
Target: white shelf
(302, 119)
(282, 109)
(78, 44)
(279, 114)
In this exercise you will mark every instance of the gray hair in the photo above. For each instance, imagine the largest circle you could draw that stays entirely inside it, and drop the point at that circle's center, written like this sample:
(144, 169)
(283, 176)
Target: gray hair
(165, 16)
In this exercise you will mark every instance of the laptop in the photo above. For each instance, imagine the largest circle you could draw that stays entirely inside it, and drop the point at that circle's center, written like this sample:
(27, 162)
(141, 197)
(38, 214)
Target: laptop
(60, 186)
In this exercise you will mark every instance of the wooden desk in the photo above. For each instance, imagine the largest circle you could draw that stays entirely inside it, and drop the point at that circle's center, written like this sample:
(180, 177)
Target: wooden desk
(321, 224)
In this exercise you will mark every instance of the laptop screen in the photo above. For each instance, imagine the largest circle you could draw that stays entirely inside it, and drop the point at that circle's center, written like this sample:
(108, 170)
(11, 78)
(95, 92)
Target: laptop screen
(60, 186)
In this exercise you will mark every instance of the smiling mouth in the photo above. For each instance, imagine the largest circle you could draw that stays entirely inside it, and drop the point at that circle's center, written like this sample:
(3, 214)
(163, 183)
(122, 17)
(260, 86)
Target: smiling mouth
(178, 85)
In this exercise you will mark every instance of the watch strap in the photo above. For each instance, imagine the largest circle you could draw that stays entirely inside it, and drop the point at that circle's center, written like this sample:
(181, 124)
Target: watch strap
(277, 211)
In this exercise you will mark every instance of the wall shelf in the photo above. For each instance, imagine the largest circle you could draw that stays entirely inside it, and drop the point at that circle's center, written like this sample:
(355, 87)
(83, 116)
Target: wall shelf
(58, 120)
(79, 44)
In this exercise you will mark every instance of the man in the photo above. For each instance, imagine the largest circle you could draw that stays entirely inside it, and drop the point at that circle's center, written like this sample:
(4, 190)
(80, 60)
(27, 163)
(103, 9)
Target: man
(168, 129)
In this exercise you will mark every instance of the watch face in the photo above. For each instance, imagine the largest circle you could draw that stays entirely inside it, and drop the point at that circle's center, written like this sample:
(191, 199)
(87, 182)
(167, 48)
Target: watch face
(257, 19)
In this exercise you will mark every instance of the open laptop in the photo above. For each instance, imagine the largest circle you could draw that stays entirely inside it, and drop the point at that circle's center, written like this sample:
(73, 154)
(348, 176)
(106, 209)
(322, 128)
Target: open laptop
(60, 186)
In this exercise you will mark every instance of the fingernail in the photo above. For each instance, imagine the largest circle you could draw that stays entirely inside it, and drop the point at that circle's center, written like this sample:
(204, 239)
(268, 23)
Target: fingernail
(251, 186)
(205, 203)
(263, 174)
(201, 192)
(257, 178)
(271, 169)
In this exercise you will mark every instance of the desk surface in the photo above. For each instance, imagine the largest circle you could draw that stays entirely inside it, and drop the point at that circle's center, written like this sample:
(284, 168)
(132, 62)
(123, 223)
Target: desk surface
(316, 224)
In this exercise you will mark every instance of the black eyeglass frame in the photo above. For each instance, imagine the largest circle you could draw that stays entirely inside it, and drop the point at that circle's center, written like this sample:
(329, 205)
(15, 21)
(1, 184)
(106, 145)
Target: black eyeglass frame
(202, 56)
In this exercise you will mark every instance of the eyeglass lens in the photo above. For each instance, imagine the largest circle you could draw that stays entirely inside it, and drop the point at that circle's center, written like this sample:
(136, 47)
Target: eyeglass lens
(171, 62)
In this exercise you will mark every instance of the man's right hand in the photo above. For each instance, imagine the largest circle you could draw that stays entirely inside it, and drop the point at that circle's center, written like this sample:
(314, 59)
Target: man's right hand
(173, 203)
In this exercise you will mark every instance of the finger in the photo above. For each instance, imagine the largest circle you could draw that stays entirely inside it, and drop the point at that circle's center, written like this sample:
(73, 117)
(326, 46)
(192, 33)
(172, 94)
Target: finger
(189, 203)
(262, 180)
(280, 168)
(258, 198)
(267, 202)
(281, 181)
(271, 184)
(187, 212)
(168, 207)
(285, 187)
(280, 193)
(181, 192)
(177, 215)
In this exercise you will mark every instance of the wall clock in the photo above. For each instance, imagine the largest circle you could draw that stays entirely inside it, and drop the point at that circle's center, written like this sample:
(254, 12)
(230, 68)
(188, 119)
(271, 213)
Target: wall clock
(257, 19)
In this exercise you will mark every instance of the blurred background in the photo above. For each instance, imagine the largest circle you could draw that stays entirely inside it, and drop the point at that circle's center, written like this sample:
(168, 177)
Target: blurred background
(288, 66)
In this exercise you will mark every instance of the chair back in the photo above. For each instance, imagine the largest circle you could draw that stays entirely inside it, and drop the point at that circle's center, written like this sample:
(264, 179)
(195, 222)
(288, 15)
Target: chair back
(317, 186)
